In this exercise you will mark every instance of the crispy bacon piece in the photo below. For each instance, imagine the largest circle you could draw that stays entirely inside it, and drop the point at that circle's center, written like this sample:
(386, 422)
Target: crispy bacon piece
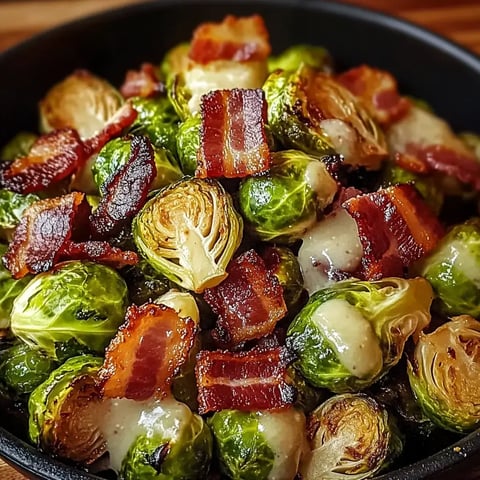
(396, 228)
(98, 251)
(254, 380)
(53, 157)
(239, 39)
(43, 232)
(147, 351)
(249, 302)
(233, 140)
(378, 91)
(142, 83)
(127, 190)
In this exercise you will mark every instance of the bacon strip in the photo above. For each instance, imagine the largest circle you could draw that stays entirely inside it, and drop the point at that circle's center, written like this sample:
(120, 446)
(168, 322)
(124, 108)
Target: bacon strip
(233, 140)
(240, 39)
(127, 190)
(142, 83)
(396, 228)
(53, 157)
(42, 233)
(249, 302)
(147, 351)
(255, 380)
(378, 91)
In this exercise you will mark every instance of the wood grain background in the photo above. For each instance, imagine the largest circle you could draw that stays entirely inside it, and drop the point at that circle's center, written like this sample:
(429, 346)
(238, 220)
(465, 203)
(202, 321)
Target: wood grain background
(458, 20)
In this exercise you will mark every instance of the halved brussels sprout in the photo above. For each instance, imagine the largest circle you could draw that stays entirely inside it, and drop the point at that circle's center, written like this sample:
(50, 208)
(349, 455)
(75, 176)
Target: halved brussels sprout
(12, 206)
(189, 232)
(18, 146)
(188, 144)
(309, 110)
(311, 55)
(453, 270)
(167, 440)
(352, 333)
(81, 101)
(283, 203)
(65, 410)
(444, 372)
(116, 153)
(84, 301)
(259, 445)
(352, 437)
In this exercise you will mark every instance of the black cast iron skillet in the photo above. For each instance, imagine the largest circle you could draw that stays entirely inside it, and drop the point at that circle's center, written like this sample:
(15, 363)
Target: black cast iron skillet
(425, 65)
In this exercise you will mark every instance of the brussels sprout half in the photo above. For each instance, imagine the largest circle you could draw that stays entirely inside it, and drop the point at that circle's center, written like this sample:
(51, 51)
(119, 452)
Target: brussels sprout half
(444, 372)
(353, 437)
(188, 144)
(189, 232)
(12, 206)
(84, 301)
(18, 146)
(349, 335)
(282, 204)
(453, 270)
(311, 55)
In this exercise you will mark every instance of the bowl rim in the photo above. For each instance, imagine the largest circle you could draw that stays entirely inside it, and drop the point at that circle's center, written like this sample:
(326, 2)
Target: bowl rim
(26, 458)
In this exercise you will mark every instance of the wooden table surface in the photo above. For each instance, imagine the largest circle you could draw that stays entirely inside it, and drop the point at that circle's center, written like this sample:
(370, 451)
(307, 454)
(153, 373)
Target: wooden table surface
(458, 20)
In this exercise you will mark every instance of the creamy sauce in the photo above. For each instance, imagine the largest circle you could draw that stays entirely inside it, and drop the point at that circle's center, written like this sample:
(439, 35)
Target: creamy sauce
(351, 336)
(321, 182)
(285, 434)
(342, 136)
(182, 302)
(333, 244)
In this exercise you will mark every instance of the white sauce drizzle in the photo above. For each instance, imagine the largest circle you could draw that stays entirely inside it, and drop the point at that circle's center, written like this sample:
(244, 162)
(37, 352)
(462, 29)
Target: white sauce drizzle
(321, 182)
(342, 136)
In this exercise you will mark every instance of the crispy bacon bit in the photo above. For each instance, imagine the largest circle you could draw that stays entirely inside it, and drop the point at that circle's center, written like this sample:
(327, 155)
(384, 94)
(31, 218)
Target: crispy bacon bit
(44, 230)
(126, 191)
(124, 117)
(233, 139)
(142, 83)
(396, 228)
(249, 302)
(239, 39)
(378, 91)
(101, 252)
(147, 351)
(52, 158)
(254, 380)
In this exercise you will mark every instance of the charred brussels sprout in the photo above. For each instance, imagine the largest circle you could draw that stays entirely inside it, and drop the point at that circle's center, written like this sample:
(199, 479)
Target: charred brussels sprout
(453, 269)
(157, 120)
(12, 206)
(24, 368)
(444, 371)
(63, 411)
(189, 232)
(310, 111)
(188, 144)
(116, 153)
(351, 334)
(84, 301)
(253, 445)
(282, 204)
(352, 437)
(293, 57)
(18, 146)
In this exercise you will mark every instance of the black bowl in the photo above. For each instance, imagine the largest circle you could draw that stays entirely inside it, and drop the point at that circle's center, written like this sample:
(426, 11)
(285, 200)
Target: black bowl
(425, 65)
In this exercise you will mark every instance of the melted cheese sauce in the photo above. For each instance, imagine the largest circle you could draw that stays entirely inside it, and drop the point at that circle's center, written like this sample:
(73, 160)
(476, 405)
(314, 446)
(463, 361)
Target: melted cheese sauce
(342, 136)
(351, 336)
(285, 434)
(321, 182)
(333, 243)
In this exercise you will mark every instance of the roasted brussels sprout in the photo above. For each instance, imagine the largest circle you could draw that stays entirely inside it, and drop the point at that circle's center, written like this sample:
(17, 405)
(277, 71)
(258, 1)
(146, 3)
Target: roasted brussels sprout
(167, 442)
(311, 55)
(157, 120)
(309, 110)
(253, 445)
(188, 144)
(175, 61)
(443, 374)
(9, 290)
(189, 232)
(116, 153)
(84, 301)
(283, 203)
(352, 333)
(453, 270)
(18, 146)
(12, 206)
(81, 101)
(472, 141)
(352, 437)
(64, 411)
